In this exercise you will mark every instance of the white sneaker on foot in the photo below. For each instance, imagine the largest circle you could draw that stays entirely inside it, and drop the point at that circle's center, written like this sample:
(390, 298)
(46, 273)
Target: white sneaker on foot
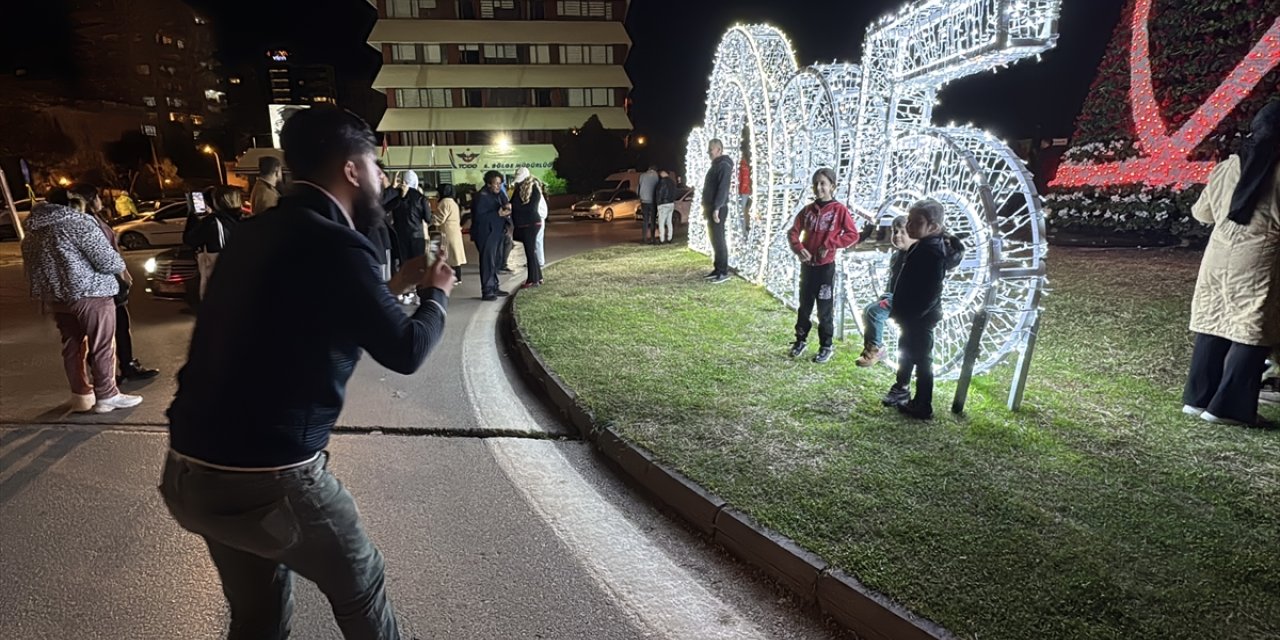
(118, 401)
(81, 403)
(1192, 411)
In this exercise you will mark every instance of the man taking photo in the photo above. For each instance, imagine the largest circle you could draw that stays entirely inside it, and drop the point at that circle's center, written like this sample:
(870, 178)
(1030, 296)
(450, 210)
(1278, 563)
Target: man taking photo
(299, 289)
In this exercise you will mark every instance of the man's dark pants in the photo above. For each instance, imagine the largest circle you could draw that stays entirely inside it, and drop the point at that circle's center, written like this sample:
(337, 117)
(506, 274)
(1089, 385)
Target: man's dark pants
(817, 284)
(719, 241)
(649, 218)
(915, 345)
(1225, 378)
(261, 527)
(490, 248)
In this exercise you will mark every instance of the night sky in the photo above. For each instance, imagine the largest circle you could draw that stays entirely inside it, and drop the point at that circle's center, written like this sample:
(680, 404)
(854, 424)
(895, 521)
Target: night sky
(674, 41)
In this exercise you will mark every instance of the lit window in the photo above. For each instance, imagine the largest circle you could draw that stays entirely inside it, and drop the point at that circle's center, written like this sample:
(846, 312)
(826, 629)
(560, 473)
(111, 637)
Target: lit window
(601, 97)
(181, 44)
(432, 53)
(540, 54)
(577, 97)
(601, 54)
(487, 7)
(197, 120)
(571, 54)
(143, 69)
(585, 9)
(408, 8)
(150, 101)
(200, 20)
(404, 53)
(408, 98)
(234, 80)
(436, 98)
(500, 51)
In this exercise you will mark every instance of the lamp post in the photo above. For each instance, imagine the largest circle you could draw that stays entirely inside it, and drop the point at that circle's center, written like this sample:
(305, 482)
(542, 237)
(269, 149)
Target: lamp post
(216, 158)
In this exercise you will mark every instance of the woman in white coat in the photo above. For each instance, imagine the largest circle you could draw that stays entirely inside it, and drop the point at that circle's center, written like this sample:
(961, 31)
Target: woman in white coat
(447, 217)
(1236, 309)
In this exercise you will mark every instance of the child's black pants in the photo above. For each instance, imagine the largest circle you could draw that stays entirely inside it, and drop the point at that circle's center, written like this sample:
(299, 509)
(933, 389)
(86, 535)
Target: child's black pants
(915, 345)
(817, 284)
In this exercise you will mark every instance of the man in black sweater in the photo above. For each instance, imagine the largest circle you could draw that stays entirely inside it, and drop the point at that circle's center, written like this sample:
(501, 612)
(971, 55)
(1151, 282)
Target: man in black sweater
(299, 289)
(715, 206)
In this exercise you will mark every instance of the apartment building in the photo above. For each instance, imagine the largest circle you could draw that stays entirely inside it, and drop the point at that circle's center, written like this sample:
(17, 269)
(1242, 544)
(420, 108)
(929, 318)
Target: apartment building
(475, 85)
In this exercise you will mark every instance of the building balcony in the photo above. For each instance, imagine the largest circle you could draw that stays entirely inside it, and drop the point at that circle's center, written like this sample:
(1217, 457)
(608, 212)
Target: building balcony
(410, 31)
(500, 76)
(502, 118)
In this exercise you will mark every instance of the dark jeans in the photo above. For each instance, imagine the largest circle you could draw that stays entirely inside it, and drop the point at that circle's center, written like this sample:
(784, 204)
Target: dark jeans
(124, 337)
(528, 237)
(719, 242)
(817, 284)
(915, 345)
(873, 318)
(1225, 378)
(261, 527)
(649, 218)
(490, 259)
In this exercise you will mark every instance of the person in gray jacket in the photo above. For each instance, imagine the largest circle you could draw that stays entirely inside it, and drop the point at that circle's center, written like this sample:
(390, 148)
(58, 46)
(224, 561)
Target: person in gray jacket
(72, 270)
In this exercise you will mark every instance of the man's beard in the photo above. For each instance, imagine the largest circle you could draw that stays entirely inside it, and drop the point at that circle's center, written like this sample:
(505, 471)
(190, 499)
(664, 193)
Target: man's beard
(368, 210)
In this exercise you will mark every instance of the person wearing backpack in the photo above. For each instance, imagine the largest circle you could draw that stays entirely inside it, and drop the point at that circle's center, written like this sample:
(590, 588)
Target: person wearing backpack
(209, 235)
(917, 305)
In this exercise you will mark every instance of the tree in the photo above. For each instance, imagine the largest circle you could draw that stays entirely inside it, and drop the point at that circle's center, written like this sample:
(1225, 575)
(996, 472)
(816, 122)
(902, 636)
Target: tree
(588, 155)
(1126, 173)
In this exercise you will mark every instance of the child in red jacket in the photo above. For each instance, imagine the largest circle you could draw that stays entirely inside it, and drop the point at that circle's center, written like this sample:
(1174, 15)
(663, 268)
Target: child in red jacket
(820, 230)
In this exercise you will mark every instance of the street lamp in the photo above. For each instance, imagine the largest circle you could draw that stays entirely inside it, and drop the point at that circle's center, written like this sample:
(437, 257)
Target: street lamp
(641, 141)
(216, 158)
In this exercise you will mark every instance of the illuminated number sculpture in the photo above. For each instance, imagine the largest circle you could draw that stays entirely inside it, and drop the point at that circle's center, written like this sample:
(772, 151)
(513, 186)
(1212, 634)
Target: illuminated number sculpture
(872, 125)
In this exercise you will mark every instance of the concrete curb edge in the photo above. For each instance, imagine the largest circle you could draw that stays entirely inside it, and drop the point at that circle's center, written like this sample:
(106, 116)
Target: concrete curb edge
(842, 597)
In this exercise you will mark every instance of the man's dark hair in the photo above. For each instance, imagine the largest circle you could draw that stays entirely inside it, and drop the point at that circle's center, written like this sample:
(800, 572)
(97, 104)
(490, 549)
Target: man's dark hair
(268, 165)
(490, 175)
(317, 142)
(446, 191)
(58, 196)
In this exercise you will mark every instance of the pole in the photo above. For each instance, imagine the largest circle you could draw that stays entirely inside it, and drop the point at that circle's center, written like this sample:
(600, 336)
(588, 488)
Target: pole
(218, 159)
(13, 208)
(971, 349)
(1019, 385)
(155, 166)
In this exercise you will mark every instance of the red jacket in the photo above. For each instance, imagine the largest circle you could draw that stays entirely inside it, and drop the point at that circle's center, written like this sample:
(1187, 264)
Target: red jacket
(830, 227)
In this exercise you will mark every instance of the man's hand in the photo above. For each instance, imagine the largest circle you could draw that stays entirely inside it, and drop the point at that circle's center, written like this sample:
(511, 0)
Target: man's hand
(822, 253)
(505, 211)
(418, 273)
(716, 216)
(805, 256)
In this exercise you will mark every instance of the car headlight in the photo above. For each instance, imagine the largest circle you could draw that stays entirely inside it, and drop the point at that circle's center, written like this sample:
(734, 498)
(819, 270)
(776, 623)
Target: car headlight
(149, 266)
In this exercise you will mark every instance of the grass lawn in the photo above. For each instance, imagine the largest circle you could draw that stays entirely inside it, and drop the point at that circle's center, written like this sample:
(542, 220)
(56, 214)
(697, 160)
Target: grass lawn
(1099, 511)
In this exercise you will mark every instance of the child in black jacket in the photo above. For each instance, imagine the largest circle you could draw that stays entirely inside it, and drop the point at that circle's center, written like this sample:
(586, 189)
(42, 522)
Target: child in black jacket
(917, 305)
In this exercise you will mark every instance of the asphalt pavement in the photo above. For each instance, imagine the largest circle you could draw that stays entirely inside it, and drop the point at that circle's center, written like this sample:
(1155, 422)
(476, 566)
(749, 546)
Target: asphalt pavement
(486, 536)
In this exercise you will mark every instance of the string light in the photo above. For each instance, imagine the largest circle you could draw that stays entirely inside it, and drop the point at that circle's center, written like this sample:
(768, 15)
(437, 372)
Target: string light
(872, 124)
(1165, 158)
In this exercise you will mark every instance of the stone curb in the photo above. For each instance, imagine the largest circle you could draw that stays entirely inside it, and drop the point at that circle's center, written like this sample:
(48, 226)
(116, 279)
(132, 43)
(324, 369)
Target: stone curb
(869, 614)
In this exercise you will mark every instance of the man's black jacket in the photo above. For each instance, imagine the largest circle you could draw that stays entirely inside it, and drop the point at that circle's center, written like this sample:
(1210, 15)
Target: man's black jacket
(715, 189)
(293, 302)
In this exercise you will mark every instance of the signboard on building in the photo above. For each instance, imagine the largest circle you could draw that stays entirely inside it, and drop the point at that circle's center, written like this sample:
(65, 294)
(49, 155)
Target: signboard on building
(468, 164)
(277, 115)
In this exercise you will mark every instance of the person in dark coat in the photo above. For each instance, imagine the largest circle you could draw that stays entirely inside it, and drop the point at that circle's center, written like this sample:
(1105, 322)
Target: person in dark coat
(209, 234)
(90, 200)
(527, 221)
(715, 207)
(247, 464)
(490, 211)
(409, 218)
(917, 305)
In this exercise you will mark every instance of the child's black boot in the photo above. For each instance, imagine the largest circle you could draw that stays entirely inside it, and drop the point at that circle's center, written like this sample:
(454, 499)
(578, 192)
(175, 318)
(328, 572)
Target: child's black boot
(898, 395)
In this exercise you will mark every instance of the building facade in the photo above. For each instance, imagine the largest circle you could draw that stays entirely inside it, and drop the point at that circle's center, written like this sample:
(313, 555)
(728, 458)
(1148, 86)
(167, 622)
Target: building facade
(475, 85)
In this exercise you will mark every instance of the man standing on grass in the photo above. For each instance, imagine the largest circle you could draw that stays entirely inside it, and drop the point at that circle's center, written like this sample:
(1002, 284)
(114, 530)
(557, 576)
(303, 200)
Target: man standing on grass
(715, 206)
(299, 289)
(648, 209)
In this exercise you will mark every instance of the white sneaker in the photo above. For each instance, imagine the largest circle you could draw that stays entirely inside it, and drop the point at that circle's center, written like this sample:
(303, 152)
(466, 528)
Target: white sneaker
(118, 401)
(1192, 411)
(81, 403)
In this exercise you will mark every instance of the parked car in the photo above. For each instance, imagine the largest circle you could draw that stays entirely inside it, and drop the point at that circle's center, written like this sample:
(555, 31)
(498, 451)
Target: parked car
(607, 205)
(7, 230)
(684, 204)
(173, 275)
(160, 229)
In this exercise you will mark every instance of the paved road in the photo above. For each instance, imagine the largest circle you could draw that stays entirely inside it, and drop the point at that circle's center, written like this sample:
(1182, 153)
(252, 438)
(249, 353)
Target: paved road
(485, 537)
